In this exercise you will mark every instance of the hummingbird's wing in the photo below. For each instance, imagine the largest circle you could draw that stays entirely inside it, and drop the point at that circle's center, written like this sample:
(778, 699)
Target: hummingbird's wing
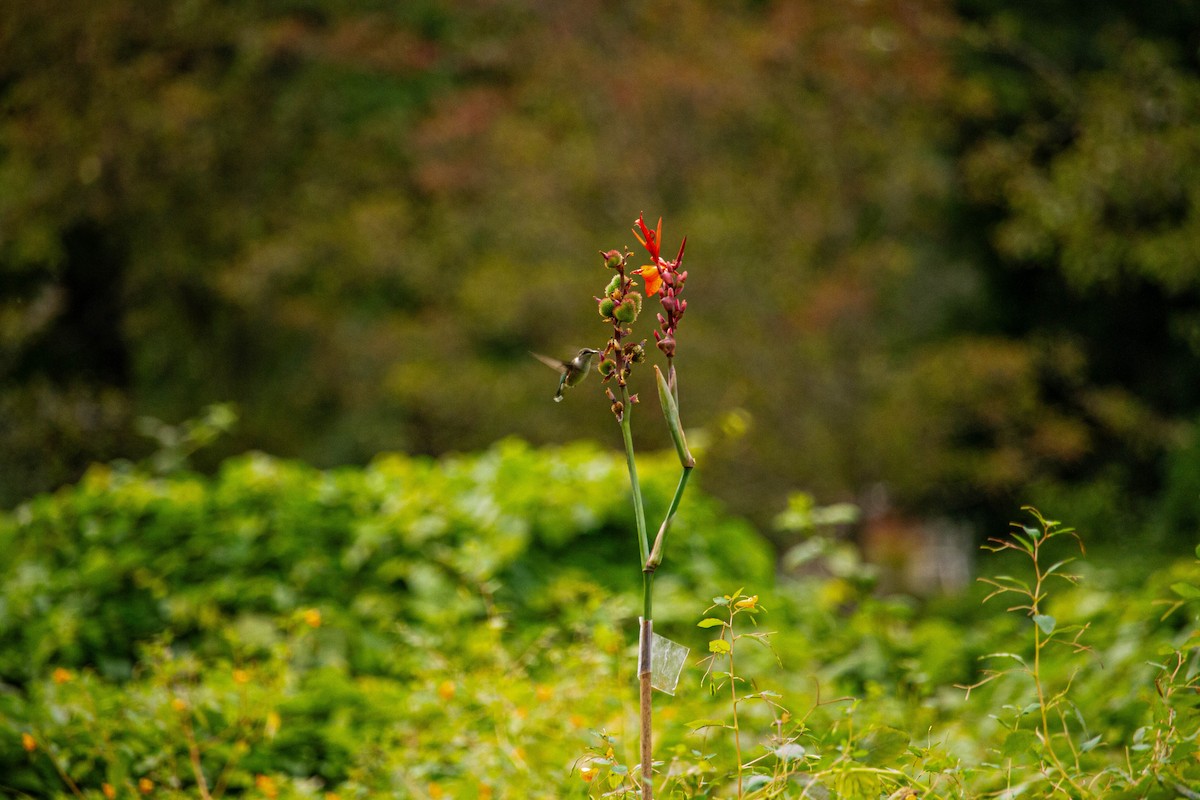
(553, 363)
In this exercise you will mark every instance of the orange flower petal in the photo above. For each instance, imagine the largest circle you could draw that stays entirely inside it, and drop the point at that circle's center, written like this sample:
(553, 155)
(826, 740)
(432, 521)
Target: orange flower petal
(653, 278)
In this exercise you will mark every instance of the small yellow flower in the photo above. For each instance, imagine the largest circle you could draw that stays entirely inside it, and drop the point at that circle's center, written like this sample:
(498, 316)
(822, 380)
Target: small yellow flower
(145, 786)
(272, 726)
(436, 792)
(61, 676)
(241, 677)
(446, 690)
(588, 773)
(332, 796)
(544, 693)
(312, 618)
(747, 602)
(266, 785)
(108, 790)
(179, 704)
(577, 720)
(28, 742)
(484, 792)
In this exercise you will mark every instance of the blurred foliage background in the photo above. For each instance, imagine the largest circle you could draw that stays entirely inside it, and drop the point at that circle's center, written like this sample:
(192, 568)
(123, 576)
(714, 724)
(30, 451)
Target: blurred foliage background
(946, 248)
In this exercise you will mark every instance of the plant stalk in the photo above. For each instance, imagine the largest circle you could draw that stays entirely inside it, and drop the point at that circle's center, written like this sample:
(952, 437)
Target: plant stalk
(645, 695)
(645, 635)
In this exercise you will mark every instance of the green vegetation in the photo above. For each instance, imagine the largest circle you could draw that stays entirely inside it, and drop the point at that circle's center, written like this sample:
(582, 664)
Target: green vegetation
(466, 628)
(944, 263)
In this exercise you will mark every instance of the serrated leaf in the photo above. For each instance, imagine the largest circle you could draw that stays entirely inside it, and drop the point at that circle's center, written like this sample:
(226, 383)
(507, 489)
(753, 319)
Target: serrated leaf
(1045, 622)
(709, 622)
(1018, 743)
(719, 646)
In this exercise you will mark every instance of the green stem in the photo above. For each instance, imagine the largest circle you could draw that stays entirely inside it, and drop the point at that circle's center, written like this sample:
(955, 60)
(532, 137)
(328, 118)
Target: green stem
(638, 511)
(737, 731)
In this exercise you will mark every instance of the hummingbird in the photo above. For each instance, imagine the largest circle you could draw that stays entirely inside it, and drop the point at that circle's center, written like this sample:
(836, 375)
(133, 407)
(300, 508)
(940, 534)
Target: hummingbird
(573, 371)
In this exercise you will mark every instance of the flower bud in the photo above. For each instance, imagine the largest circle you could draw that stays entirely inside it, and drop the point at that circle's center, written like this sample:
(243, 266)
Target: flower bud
(613, 259)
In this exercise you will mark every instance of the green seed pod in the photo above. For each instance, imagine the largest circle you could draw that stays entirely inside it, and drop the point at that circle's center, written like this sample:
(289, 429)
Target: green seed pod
(613, 286)
(613, 259)
(606, 308)
(606, 367)
(627, 311)
(636, 297)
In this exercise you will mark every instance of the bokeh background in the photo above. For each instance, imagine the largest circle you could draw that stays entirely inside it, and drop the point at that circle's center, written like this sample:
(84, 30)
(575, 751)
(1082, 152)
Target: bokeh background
(944, 256)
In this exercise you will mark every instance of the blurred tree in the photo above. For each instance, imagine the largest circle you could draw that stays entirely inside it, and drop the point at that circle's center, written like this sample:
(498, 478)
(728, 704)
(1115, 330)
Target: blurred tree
(1079, 142)
(944, 247)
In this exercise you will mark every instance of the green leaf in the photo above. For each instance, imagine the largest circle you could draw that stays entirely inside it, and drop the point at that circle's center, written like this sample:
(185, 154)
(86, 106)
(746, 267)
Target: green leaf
(1185, 590)
(884, 746)
(721, 601)
(1045, 622)
(756, 781)
(697, 724)
(709, 622)
(1018, 743)
(719, 646)
(790, 751)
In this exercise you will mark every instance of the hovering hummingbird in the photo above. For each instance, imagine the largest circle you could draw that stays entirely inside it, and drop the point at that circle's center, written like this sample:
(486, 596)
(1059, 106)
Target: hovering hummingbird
(573, 371)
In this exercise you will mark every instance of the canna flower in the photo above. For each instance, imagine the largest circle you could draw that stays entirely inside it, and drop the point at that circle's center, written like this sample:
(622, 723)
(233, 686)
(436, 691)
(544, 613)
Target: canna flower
(28, 742)
(662, 278)
(652, 241)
